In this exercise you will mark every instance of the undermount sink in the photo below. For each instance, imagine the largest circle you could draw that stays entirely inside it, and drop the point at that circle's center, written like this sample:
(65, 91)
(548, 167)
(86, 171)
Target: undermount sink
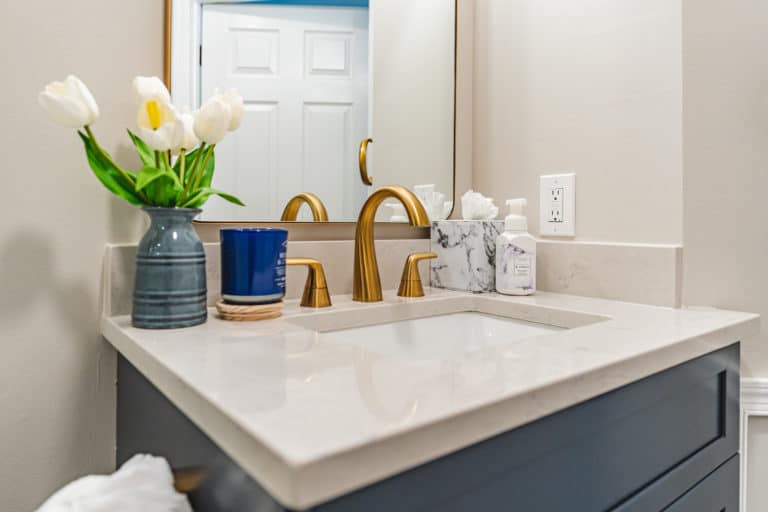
(448, 328)
(440, 335)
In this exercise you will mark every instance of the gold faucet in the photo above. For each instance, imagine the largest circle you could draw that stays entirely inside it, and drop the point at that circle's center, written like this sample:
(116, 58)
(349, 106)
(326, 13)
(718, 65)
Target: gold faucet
(366, 286)
(291, 211)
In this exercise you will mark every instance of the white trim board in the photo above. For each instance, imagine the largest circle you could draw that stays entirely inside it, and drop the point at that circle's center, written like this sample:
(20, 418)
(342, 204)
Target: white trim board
(754, 402)
(186, 34)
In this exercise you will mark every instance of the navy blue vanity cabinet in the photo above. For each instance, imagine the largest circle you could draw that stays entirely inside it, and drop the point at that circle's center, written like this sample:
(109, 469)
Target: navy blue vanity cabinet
(666, 442)
(719, 492)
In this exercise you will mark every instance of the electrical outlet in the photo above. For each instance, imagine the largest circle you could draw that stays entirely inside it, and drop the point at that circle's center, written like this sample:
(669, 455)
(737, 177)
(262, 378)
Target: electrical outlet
(557, 205)
(555, 214)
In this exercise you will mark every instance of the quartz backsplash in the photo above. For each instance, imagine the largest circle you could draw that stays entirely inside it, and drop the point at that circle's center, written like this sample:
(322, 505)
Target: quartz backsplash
(643, 273)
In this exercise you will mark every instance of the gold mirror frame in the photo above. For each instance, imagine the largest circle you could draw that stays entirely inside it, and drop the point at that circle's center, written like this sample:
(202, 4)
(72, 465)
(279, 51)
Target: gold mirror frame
(401, 228)
(167, 43)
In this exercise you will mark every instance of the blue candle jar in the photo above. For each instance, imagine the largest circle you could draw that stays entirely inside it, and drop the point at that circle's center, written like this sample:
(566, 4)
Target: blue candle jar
(253, 265)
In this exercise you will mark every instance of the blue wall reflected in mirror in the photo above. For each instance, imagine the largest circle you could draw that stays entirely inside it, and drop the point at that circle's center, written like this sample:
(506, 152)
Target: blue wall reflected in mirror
(325, 3)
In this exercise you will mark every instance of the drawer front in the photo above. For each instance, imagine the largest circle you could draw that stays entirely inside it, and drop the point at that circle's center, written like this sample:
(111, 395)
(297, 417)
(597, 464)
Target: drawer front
(719, 492)
(699, 463)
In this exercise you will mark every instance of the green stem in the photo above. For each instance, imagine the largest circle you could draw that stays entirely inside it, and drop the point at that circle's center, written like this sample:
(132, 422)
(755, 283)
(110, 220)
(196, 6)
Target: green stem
(193, 168)
(183, 162)
(201, 171)
(109, 158)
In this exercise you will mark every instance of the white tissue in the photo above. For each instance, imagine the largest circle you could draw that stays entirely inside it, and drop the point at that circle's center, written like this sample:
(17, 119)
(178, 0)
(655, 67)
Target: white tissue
(475, 206)
(142, 484)
(434, 202)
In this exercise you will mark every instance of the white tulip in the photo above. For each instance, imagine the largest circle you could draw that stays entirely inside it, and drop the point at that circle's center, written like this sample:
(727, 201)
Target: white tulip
(184, 137)
(156, 120)
(160, 139)
(150, 88)
(69, 103)
(212, 120)
(235, 102)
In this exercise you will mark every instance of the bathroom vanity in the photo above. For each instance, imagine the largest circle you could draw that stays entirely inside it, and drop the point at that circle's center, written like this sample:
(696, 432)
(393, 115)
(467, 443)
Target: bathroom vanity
(449, 402)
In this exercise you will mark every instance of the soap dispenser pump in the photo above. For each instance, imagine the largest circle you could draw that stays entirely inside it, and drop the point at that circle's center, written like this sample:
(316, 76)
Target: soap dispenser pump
(516, 253)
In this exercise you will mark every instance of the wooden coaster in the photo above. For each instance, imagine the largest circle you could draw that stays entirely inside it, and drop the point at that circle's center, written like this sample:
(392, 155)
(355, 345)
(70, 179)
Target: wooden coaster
(248, 313)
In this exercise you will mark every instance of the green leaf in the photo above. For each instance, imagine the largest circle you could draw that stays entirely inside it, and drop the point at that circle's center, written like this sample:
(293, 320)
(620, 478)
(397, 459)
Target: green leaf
(108, 174)
(175, 179)
(163, 191)
(147, 175)
(208, 172)
(162, 186)
(145, 153)
(201, 195)
(207, 177)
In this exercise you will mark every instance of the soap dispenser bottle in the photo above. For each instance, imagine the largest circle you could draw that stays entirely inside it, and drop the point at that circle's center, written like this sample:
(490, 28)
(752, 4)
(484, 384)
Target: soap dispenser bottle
(516, 253)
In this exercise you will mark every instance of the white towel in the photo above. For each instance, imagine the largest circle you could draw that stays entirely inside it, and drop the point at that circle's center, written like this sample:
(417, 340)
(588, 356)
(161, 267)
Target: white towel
(142, 484)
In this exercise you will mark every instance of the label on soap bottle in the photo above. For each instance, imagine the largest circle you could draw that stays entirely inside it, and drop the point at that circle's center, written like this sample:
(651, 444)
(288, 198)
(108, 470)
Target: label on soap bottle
(515, 264)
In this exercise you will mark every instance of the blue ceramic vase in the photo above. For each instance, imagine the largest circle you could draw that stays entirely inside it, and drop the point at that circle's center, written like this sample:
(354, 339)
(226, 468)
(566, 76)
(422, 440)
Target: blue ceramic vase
(170, 287)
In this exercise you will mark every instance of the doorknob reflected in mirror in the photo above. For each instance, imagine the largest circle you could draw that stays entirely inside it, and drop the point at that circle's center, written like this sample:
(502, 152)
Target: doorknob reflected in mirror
(367, 180)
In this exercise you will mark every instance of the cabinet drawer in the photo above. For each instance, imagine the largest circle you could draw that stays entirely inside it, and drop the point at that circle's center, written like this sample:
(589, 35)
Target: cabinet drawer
(719, 492)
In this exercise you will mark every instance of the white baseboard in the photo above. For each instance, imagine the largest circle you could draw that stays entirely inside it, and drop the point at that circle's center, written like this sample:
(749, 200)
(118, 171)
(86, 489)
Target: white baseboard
(754, 402)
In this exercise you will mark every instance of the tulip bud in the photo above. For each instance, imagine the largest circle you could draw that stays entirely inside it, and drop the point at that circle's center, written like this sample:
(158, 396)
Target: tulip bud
(184, 137)
(235, 102)
(69, 103)
(212, 120)
(147, 88)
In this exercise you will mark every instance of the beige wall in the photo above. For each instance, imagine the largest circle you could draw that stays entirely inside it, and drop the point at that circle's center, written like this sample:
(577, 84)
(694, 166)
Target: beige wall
(56, 374)
(725, 77)
(725, 48)
(590, 86)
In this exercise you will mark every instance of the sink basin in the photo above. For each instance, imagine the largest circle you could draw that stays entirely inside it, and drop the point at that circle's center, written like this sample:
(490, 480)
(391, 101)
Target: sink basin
(454, 316)
(440, 335)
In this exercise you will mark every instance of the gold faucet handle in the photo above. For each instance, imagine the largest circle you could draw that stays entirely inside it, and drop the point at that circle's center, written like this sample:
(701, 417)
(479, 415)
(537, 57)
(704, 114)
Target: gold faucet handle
(316, 288)
(410, 283)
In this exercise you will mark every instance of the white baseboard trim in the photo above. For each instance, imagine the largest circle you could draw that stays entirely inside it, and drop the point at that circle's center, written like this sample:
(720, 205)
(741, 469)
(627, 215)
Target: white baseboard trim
(754, 402)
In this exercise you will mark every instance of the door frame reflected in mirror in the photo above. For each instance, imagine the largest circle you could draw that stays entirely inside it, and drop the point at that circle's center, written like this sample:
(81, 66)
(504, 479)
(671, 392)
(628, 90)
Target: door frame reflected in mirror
(391, 230)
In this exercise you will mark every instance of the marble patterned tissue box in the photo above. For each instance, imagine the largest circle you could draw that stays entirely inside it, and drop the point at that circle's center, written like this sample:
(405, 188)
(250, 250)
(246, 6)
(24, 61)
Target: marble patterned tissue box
(466, 254)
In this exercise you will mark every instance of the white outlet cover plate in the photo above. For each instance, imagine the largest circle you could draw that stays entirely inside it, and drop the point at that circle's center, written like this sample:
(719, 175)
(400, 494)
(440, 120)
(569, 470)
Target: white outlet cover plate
(557, 190)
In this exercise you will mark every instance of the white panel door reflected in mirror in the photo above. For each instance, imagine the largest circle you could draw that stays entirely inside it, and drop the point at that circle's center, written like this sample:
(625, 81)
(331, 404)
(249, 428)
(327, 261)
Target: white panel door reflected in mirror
(318, 80)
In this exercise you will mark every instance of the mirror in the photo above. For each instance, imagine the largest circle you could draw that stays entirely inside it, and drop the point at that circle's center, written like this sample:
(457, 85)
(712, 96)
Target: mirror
(341, 97)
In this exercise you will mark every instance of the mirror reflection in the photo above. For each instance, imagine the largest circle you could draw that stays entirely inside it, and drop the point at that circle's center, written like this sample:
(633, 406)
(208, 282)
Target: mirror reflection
(341, 97)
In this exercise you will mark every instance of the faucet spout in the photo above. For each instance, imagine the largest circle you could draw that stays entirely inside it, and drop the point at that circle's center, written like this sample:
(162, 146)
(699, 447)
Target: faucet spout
(366, 286)
(291, 211)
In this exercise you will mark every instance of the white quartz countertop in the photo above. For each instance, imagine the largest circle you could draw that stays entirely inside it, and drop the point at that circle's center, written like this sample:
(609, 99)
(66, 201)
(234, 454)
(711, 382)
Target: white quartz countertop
(312, 417)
